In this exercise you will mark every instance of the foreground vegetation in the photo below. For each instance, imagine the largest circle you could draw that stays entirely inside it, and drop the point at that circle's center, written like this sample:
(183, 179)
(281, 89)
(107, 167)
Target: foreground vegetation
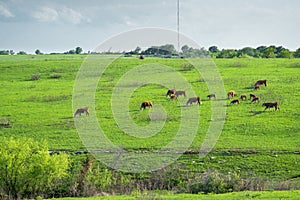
(257, 150)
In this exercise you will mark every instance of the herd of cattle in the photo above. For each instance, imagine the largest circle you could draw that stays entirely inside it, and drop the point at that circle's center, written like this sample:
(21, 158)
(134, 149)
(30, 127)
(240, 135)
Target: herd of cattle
(174, 94)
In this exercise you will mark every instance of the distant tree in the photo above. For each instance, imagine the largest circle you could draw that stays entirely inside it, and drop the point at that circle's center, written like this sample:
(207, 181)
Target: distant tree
(213, 49)
(285, 53)
(227, 53)
(297, 53)
(26, 168)
(37, 52)
(78, 50)
(21, 53)
(4, 52)
(185, 49)
(11, 52)
(137, 50)
(269, 52)
(248, 51)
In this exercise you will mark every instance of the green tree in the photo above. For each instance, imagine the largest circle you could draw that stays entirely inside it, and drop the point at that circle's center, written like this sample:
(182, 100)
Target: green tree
(21, 53)
(285, 53)
(297, 53)
(27, 169)
(78, 50)
(213, 49)
(38, 52)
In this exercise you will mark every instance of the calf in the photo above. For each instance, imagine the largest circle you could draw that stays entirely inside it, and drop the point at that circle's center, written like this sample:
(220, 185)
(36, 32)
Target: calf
(255, 99)
(243, 97)
(211, 96)
(79, 111)
(252, 96)
(236, 101)
(193, 100)
(146, 104)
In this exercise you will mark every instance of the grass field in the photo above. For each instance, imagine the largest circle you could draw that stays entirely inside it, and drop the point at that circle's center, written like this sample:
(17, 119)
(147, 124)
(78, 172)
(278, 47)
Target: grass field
(253, 142)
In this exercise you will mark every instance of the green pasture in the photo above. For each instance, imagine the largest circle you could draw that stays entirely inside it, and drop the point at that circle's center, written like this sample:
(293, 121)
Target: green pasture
(253, 141)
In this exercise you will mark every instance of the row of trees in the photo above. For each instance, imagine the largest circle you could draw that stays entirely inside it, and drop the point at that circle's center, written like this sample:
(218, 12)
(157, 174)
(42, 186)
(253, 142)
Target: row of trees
(186, 51)
(77, 50)
(259, 52)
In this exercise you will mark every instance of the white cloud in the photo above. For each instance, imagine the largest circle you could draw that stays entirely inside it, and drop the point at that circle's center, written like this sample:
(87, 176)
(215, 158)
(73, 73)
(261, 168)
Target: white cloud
(46, 14)
(72, 16)
(5, 11)
(64, 14)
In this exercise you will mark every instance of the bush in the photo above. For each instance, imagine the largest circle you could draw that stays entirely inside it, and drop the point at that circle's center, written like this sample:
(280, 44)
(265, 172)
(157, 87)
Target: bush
(27, 170)
(55, 76)
(35, 77)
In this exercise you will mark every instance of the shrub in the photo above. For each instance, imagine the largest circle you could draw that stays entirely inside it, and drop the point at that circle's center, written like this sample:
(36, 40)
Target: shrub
(27, 169)
(55, 76)
(35, 76)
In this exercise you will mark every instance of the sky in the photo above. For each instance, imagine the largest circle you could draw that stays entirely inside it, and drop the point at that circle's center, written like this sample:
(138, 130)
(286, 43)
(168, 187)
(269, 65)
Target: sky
(61, 25)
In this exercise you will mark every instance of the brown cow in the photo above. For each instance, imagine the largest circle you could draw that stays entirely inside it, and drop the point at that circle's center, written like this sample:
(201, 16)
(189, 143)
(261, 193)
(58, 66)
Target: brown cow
(252, 96)
(193, 100)
(171, 92)
(236, 101)
(211, 96)
(261, 82)
(180, 92)
(79, 111)
(231, 94)
(271, 105)
(243, 97)
(141, 57)
(255, 99)
(146, 104)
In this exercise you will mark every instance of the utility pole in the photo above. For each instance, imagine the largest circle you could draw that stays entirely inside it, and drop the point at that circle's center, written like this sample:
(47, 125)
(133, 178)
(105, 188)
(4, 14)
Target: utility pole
(178, 44)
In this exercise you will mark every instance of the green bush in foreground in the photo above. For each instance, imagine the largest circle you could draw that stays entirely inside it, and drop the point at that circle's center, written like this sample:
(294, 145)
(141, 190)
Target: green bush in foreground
(27, 169)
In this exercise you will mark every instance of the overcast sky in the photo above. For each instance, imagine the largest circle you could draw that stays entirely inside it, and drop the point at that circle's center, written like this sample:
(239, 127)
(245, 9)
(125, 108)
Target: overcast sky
(61, 25)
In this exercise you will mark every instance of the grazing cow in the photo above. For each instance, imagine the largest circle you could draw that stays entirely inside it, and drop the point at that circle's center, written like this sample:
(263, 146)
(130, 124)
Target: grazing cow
(271, 105)
(252, 96)
(256, 86)
(141, 57)
(180, 92)
(194, 100)
(236, 101)
(146, 104)
(255, 99)
(243, 97)
(171, 92)
(231, 94)
(79, 111)
(261, 82)
(211, 96)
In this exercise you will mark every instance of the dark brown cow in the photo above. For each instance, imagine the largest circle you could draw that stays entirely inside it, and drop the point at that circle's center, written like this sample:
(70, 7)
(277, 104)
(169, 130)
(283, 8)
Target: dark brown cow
(255, 99)
(231, 94)
(211, 96)
(243, 97)
(146, 104)
(180, 92)
(252, 96)
(79, 111)
(141, 57)
(261, 82)
(171, 92)
(236, 101)
(194, 100)
(271, 105)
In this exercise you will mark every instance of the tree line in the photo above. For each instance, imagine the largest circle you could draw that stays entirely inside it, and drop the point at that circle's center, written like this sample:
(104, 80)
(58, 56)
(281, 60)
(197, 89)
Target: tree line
(168, 50)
